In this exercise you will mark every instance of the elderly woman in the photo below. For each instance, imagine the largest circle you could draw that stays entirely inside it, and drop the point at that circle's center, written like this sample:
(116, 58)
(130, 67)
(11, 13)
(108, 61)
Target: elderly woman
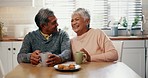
(93, 42)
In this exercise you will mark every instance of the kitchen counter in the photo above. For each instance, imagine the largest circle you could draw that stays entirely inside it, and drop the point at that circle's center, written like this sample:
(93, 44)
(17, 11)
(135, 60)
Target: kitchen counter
(11, 38)
(144, 37)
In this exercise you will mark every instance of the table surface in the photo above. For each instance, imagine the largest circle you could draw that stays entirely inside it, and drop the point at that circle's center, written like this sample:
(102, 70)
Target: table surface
(141, 37)
(88, 70)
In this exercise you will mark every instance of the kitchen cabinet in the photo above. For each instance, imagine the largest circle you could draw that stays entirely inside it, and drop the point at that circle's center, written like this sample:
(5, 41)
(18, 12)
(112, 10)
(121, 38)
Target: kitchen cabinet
(146, 58)
(8, 56)
(134, 55)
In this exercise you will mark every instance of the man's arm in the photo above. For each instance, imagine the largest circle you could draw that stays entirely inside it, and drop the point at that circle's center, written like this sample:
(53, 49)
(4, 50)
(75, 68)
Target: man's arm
(24, 55)
(65, 48)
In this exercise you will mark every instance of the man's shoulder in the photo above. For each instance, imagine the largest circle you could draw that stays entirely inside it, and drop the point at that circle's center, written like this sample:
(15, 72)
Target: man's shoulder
(62, 32)
(32, 33)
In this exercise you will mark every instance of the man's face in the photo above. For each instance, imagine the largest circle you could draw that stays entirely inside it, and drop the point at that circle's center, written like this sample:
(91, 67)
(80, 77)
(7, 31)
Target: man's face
(51, 26)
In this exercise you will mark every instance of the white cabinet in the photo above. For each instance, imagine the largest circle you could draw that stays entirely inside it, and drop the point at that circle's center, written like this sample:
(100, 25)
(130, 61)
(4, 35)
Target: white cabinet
(8, 56)
(134, 55)
(146, 58)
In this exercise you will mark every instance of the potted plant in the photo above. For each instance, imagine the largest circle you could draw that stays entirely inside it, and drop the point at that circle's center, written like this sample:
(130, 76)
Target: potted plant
(136, 20)
(130, 29)
(125, 23)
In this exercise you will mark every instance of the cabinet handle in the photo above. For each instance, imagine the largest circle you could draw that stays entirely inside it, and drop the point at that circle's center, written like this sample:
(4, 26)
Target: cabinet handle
(9, 49)
(14, 48)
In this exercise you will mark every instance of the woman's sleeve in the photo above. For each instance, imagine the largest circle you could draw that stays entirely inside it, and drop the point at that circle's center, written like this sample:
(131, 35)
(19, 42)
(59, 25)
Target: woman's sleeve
(109, 53)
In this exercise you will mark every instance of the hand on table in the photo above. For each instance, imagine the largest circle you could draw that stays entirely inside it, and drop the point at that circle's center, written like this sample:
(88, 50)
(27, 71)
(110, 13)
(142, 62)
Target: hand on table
(35, 58)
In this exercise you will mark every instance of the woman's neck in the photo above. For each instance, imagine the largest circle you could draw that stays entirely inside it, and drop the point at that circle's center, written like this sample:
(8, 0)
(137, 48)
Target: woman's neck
(82, 32)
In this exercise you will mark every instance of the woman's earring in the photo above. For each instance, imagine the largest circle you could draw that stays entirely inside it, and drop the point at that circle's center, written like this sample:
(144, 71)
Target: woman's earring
(87, 26)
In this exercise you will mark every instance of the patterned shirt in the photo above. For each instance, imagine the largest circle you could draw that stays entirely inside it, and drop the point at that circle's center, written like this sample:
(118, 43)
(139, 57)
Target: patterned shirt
(58, 43)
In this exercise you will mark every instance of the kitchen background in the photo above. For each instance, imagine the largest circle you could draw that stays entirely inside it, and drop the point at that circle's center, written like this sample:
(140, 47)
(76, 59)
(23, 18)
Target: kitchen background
(18, 18)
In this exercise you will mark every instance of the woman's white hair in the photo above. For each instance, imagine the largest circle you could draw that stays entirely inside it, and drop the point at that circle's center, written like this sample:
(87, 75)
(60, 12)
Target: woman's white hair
(83, 12)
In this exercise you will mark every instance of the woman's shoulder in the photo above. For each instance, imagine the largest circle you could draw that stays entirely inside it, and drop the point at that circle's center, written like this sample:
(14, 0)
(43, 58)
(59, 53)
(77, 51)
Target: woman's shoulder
(73, 38)
(92, 30)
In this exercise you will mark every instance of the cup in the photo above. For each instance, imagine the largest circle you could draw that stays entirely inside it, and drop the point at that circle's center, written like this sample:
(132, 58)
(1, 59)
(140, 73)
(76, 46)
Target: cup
(80, 57)
(44, 57)
(114, 31)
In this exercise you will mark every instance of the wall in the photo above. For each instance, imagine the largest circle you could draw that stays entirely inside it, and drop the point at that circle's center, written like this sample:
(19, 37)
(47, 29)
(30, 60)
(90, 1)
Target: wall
(145, 13)
(12, 16)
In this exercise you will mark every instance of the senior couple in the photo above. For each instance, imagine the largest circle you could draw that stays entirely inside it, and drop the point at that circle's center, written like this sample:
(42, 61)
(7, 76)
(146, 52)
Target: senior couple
(47, 38)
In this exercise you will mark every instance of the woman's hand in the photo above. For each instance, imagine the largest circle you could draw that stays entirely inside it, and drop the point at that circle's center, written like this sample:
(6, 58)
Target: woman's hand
(35, 58)
(88, 56)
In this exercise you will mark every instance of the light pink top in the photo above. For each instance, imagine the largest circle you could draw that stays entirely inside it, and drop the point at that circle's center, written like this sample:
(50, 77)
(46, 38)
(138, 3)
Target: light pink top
(97, 44)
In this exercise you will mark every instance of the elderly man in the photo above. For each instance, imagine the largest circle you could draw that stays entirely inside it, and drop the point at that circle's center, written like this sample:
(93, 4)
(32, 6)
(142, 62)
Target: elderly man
(47, 38)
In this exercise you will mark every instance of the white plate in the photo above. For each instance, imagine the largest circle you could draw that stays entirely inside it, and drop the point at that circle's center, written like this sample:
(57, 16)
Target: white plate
(77, 67)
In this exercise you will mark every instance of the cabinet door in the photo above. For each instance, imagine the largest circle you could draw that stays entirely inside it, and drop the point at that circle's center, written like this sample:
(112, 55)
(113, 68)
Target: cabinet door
(147, 64)
(135, 59)
(6, 55)
(16, 48)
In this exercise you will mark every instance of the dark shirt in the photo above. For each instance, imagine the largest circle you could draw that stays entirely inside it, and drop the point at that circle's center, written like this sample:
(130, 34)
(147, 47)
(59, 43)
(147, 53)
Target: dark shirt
(58, 43)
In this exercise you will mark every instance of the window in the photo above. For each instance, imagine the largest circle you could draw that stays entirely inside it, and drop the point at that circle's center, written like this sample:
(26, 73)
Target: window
(102, 12)
(63, 10)
(118, 9)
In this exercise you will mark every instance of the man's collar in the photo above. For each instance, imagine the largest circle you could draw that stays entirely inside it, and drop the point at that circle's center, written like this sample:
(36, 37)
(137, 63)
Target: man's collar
(46, 35)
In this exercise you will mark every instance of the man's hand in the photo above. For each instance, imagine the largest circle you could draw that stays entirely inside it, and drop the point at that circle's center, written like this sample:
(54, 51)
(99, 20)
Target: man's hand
(53, 59)
(35, 58)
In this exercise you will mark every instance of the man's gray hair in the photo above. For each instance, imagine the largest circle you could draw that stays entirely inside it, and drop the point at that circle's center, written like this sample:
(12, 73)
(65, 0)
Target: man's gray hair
(42, 16)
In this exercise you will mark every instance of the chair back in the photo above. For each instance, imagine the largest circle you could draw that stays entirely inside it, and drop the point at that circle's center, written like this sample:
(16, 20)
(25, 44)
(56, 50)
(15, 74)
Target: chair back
(1, 70)
(119, 47)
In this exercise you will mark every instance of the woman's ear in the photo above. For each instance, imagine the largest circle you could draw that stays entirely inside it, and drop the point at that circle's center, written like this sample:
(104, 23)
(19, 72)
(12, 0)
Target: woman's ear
(87, 21)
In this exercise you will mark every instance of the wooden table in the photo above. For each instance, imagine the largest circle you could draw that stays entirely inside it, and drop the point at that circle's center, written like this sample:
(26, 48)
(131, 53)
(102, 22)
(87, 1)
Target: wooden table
(88, 70)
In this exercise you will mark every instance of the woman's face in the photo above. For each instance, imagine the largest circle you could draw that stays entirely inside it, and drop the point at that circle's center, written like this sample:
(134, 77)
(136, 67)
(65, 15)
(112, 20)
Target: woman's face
(79, 25)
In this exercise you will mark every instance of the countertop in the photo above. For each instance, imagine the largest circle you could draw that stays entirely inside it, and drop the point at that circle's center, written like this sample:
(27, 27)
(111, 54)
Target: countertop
(11, 38)
(143, 37)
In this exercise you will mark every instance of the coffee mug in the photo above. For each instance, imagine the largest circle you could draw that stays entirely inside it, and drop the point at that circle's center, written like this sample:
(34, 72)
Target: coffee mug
(44, 57)
(80, 57)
